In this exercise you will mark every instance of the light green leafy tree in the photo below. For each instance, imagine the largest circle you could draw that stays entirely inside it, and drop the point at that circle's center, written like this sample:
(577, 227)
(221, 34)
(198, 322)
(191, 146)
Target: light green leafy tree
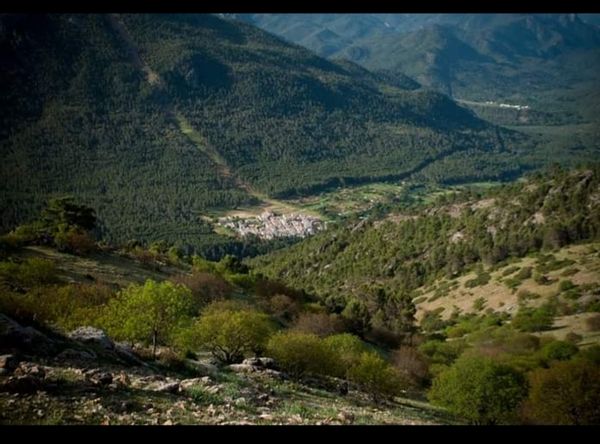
(229, 332)
(480, 390)
(347, 350)
(373, 375)
(150, 312)
(300, 353)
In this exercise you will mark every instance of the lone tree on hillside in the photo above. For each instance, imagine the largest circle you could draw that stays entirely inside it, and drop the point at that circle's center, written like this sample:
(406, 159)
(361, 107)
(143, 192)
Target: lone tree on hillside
(229, 332)
(151, 312)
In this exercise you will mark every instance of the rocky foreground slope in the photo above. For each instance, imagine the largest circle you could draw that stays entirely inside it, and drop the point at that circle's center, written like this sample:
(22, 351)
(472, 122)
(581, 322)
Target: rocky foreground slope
(86, 378)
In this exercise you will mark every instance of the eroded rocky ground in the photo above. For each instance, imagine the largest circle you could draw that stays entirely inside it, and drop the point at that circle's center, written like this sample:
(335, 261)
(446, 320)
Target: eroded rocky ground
(88, 379)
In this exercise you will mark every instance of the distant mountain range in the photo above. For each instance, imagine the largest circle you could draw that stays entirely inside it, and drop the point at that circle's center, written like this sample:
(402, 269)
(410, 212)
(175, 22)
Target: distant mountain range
(529, 59)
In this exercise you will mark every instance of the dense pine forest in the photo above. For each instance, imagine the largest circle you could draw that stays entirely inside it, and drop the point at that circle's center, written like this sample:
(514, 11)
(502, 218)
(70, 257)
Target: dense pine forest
(82, 116)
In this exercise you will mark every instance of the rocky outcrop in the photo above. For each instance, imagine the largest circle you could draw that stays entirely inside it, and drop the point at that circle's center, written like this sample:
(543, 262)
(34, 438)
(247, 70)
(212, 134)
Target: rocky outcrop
(203, 368)
(15, 337)
(92, 336)
(8, 363)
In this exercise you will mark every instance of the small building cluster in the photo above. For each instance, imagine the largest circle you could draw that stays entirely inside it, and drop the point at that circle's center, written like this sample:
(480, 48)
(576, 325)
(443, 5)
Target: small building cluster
(270, 225)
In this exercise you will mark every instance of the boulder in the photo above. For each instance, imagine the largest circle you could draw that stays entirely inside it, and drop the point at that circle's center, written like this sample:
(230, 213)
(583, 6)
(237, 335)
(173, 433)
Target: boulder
(263, 362)
(9, 362)
(346, 417)
(30, 369)
(122, 380)
(192, 382)
(203, 368)
(13, 336)
(92, 336)
(167, 387)
(22, 384)
(101, 378)
(124, 351)
(243, 368)
(77, 355)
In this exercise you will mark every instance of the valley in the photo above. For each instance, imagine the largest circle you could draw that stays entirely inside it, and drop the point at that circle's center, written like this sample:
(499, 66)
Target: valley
(299, 219)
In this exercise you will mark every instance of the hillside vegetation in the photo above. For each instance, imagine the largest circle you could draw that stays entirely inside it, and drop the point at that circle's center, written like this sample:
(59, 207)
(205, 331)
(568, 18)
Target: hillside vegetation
(157, 120)
(379, 265)
(219, 343)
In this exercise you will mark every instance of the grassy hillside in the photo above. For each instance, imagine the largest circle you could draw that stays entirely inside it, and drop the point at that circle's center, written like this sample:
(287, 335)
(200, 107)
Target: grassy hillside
(569, 277)
(218, 343)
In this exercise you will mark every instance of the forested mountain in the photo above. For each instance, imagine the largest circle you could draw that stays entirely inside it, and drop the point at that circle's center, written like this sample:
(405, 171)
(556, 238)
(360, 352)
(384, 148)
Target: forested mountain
(375, 265)
(529, 59)
(102, 107)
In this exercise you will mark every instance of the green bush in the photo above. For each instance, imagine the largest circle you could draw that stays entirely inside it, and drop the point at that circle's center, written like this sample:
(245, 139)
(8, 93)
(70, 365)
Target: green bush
(202, 265)
(534, 319)
(593, 323)
(569, 272)
(30, 273)
(509, 270)
(558, 351)
(358, 316)
(432, 322)
(525, 295)
(573, 337)
(480, 390)
(481, 279)
(300, 354)
(566, 285)
(346, 350)
(591, 354)
(74, 240)
(565, 394)
(373, 375)
(228, 332)
(479, 303)
(66, 307)
(525, 273)
(547, 264)
(441, 352)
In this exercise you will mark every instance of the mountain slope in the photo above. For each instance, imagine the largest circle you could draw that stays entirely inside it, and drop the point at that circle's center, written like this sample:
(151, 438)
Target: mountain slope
(541, 60)
(156, 119)
(382, 262)
(78, 117)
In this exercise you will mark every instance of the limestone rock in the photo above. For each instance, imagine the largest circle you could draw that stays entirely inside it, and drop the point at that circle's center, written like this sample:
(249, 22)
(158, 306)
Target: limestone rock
(13, 336)
(167, 387)
(203, 368)
(92, 335)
